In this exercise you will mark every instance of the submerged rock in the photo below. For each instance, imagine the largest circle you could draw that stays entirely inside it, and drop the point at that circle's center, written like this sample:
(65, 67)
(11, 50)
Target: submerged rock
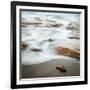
(68, 52)
(23, 45)
(56, 25)
(74, 37)
(61, 68)
(36, 49)
(50, 40)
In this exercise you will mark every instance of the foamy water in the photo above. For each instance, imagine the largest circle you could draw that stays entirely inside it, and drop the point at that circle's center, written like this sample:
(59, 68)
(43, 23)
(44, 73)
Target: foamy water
(38, 37)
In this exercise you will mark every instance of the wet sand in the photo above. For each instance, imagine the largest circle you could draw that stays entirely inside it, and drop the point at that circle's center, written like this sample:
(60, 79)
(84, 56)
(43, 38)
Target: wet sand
(48, 69)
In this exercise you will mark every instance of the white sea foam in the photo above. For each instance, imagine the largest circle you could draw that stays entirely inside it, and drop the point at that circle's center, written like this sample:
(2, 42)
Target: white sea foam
(38, 38)
(46, 36)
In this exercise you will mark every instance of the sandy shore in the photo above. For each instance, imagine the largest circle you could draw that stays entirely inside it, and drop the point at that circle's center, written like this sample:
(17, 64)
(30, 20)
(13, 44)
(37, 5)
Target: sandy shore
(48, 69)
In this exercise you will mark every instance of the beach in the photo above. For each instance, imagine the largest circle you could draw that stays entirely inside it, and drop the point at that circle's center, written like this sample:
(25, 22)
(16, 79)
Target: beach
(48, 69)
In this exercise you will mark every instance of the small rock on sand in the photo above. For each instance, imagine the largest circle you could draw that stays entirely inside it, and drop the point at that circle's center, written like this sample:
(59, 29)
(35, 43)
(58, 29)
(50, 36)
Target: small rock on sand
(61, 68)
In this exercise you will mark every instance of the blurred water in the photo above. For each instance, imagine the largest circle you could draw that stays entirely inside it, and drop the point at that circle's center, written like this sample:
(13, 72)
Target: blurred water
(38, 37)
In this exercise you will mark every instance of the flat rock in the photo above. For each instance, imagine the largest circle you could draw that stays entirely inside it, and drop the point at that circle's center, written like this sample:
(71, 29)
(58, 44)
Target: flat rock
(68, 52)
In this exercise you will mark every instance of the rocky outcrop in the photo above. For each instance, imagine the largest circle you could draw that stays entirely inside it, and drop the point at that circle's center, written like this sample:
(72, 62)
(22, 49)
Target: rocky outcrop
(68, 52)
(37, 22)
(73, 26)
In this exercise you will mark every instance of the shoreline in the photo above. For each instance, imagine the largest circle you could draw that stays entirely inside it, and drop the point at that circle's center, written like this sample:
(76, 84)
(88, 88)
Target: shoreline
(48, 69)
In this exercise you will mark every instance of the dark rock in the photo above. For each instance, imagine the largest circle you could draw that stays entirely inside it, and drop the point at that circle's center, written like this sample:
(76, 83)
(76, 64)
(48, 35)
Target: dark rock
(56, 25)
(74, 38)
(36, 50)
(50, 40)
(61, 68)
(23, 45)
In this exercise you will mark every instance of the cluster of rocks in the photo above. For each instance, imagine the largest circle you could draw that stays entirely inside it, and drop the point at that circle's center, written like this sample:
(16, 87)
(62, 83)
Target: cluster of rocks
(25, 45)
(37, 22)
(73, 53)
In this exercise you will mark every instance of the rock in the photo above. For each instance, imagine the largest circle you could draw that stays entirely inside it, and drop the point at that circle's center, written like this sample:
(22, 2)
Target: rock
(73, 26)
(61, 68)
(74, 38)
(50, 40)
(37, 22)
(68, 52)
(56, 25)
(36, 49)
(23, 45)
